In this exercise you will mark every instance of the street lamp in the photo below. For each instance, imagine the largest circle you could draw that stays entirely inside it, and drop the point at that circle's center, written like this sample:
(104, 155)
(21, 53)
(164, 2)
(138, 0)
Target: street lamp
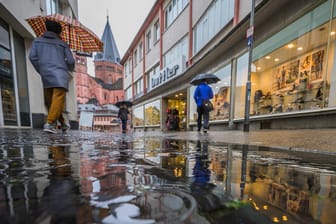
(249, 36)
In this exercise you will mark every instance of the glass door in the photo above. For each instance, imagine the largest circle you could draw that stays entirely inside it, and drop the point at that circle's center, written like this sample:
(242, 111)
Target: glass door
(7, 93)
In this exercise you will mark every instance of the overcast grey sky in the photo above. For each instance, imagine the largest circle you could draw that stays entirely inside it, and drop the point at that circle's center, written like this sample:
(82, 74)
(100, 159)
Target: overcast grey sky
(125, 17)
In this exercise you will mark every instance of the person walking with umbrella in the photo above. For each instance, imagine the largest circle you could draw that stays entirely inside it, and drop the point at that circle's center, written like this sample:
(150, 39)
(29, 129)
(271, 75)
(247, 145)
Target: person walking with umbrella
(203, 93)
(123, 116)
(53, 59)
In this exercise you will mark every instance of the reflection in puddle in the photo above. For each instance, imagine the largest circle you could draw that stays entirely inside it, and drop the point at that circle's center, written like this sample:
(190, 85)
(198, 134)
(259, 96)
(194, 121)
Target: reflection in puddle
(171, 181)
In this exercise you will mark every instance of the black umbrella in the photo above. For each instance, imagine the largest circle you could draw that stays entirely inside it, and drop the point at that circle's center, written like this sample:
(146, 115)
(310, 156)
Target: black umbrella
(124, 102)
(208, 78)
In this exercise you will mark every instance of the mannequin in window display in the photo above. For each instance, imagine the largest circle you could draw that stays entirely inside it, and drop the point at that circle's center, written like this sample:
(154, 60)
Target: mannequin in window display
(257, 97)
(303, 81)
(221, 103)
(316, 68)
(283, 77)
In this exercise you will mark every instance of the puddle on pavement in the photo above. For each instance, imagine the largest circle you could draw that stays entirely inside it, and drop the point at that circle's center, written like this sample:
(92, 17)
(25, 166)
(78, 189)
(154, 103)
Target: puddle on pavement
(147, 180)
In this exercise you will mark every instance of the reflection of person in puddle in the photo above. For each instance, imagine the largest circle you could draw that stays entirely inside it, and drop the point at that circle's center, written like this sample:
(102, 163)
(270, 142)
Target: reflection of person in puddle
(123, 150)
(207, 195)
(60, 197)
(201, 170)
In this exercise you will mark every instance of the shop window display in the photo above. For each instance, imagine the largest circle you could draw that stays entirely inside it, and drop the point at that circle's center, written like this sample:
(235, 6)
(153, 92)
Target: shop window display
(294, 76)
(293, 85)
(138, 116)
(221, 100)
(152, 113)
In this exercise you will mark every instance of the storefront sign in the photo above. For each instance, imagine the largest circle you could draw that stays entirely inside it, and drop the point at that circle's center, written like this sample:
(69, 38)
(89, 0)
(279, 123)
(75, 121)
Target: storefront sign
(165, 75)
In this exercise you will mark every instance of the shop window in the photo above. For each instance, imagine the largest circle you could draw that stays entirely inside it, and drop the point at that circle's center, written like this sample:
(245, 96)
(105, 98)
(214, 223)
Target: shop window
(221, 90)
(152, 113)
(240, 86)
(292, 74)
(138, 116)
(221, 99)
(7, 93)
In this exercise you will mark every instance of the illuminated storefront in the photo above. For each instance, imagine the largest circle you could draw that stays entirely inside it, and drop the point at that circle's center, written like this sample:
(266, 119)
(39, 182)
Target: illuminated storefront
(293, 69)
(292, 72)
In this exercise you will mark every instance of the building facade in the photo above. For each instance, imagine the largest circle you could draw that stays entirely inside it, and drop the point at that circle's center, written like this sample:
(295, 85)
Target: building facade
(292, 70)
(21, 101)
(106, 86)
(98, 118)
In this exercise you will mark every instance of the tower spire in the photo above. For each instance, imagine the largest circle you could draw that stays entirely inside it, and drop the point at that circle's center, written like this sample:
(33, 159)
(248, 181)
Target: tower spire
(107, 15)
(110, 51)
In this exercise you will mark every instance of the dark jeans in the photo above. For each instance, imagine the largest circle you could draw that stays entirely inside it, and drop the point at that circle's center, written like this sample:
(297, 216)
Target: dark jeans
(124, 124)
(202, 113)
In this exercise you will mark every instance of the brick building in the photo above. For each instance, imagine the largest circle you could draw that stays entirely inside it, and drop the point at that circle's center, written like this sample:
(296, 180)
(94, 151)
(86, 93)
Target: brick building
(107, 85)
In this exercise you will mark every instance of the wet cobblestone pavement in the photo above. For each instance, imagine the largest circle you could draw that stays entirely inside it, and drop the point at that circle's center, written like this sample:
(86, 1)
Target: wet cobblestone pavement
(84, 177)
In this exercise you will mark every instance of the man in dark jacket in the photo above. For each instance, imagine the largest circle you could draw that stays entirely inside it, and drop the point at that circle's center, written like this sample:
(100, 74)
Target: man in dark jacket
(53, 60)
(203, 92)
(123, 116)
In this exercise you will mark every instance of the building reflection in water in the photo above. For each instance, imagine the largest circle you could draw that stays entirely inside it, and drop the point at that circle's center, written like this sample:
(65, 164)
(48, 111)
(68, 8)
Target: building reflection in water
(276, 186)
(60, 198)
(283, 191)
(55, 184)
(37, 185)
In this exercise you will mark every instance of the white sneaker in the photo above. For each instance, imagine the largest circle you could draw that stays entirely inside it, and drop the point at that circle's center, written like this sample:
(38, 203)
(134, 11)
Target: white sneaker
(50, 128)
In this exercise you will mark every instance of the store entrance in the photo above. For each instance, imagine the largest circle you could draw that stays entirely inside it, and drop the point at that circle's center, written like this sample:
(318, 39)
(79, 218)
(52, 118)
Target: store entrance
(176, 111)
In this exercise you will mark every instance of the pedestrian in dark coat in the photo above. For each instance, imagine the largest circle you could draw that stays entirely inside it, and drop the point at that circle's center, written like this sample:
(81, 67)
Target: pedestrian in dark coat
(202, 92)
(53, 60)
(123, 116)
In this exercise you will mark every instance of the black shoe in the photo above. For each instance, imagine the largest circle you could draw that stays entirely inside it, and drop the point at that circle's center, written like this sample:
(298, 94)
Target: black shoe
(205, 130)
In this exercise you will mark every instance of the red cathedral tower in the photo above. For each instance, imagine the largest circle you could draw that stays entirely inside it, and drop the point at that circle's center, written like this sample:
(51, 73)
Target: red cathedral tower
(107, 85)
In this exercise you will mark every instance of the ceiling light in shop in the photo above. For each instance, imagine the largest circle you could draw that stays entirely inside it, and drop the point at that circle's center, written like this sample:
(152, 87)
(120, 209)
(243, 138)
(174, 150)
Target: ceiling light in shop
(258, 68)
(332, 33)
(300, 48)
(290, 45)
(276, 59)
(268, 57)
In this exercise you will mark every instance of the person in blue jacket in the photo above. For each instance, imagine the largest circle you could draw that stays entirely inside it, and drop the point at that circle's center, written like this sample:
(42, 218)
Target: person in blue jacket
(53, 59)
(202, 92)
